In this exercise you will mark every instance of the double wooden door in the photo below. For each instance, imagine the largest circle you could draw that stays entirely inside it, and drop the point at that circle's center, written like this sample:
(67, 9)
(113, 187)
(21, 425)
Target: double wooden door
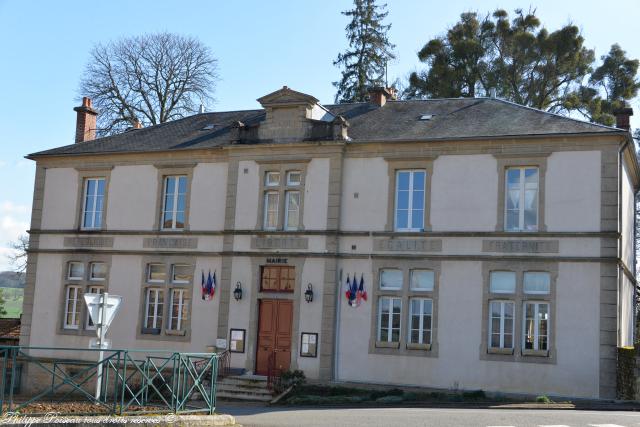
(274, 335)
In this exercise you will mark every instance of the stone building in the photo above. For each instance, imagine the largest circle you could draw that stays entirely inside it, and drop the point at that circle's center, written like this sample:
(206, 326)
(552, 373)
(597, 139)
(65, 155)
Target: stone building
(494, 242)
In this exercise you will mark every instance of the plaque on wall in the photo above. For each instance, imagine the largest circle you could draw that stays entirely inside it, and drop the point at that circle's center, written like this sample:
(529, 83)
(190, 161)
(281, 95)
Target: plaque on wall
(523, 246)
(408, 245)
(309, 344)
(236, 340)
(170, 243)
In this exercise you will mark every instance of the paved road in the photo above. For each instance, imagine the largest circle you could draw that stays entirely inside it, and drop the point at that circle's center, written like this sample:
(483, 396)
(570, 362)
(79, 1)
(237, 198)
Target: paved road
(257, 416)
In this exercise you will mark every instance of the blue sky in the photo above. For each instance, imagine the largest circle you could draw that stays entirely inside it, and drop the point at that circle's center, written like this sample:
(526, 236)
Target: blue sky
(261, 46)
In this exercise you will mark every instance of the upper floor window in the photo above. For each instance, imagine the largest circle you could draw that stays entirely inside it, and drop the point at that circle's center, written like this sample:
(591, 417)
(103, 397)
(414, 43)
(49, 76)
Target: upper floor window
(93, 204)
(521, 199)
(410, 200)
(390, 279)
(282, 200)
(75, 271)
(174, 202)
(98, 271)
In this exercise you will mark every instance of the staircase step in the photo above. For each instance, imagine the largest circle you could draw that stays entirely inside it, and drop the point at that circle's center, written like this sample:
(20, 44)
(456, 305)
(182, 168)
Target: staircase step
(236, 389)
(243, 396)
(247, 385)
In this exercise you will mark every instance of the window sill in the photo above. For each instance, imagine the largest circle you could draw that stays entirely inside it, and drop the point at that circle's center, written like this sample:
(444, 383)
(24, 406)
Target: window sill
(507, 351)
(386, 344)
(535, 353)
(175, 333)
(414, 346)
(149, 331)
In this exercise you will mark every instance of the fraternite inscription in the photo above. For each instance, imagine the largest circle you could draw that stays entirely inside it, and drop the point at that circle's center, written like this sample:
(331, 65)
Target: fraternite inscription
(170, 243)
(88, 242)
(522, 246)
(408, 245)
(279, 243)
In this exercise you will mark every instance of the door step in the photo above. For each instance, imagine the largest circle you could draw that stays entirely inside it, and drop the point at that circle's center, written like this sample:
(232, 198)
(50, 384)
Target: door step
(244, 387)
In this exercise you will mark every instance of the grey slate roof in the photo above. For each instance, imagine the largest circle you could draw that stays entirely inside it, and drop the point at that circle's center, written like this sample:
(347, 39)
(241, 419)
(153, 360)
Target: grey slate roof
(460, 118)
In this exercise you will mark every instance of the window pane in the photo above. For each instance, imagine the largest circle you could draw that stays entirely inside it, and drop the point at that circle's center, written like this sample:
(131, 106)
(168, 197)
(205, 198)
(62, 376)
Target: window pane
(402, 219)
(537, 283)
(293, 209)
(294, 178)
(403, 200)
(76, 271)
(156, 272)
(390, 279)
(417, 219)
(418, 181)
(422, 280)
(403, 181)
(271, 210)
(181, 273)
(182, 185)
(98, 271)
(272, 179)
(502, 282)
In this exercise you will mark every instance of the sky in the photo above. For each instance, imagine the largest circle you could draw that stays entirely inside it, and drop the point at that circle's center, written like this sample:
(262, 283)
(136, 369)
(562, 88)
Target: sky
(260, 45)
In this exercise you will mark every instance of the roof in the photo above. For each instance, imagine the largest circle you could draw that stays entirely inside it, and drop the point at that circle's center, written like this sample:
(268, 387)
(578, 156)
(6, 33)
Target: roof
(9, 328)
(452, 119)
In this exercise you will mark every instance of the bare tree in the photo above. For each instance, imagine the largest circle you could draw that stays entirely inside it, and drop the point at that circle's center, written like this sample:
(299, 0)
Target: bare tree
(153, 78)
(18, 259)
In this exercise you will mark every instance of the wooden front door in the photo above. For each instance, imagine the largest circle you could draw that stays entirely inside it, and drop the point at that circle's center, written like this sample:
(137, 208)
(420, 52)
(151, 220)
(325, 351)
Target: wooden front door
(274, 335)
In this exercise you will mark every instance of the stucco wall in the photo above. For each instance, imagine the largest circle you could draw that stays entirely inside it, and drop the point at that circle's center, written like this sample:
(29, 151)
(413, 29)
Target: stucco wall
(208, 196)
(459, 338)
(369, 178)
(572, 192)
(248, 197)
(464, 193)
(316, 195)
(626, 313)
(131, 202)
(59, 208)
(627, 218)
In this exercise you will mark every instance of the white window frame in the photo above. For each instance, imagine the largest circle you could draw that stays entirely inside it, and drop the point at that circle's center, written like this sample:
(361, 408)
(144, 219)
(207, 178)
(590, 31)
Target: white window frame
(69, 276)
(420, 270)
(503, 304)
(92, 222)
(75, 310)
(174, 203)
(391, 288)
(522, 189)
(290, 182)
(412, 173)
(149, 279)
(390, 321)
(97, 279)
(421, 329)
(288, 211)
(173, 274)
(266, 210)
(181, 303)
(536, 325)
(156, 315)
(530, 292)
(92, 289)
(515, 282)
(268, 182)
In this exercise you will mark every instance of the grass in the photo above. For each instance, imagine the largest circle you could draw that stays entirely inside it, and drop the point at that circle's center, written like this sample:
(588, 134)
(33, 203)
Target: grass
(12, 301)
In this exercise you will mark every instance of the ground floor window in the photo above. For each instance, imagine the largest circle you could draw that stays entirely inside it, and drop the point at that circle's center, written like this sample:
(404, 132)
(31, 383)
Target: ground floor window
(179, 309)
(501, 314)
(536, 326)
(72, 307)
(390, 310)
(153, 312)
(420, 321)
(93, 290)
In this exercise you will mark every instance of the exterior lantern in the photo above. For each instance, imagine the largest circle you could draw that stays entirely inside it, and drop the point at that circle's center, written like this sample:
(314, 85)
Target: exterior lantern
(237, 293)
(308, 294)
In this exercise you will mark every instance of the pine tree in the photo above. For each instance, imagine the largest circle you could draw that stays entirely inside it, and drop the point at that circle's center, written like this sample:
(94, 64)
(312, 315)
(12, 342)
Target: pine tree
(364, 62)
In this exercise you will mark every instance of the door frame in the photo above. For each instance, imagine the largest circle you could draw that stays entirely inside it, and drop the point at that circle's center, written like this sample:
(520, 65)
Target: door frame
(256, 295)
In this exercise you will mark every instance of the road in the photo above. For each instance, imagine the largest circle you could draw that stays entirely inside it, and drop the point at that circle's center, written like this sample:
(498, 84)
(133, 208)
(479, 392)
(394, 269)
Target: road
(259, 416)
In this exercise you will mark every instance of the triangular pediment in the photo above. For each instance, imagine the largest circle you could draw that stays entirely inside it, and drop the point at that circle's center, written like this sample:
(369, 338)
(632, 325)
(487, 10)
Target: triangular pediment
(285, 97)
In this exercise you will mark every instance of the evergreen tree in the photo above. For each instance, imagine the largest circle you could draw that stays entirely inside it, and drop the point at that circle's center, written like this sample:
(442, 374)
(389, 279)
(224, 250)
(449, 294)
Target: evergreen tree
(364, 62)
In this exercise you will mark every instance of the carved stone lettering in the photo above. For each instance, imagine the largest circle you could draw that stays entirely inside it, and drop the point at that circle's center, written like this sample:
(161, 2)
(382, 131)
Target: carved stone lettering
(408, 245)
(279, 243)
(88, 242)
(170, 243)
(521, 246)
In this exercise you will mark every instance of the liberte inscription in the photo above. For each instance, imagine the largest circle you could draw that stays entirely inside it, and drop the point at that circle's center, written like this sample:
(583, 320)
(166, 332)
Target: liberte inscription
(408, 245)
(522, 246)
(279, 243)
(170, 243)
(88, 242)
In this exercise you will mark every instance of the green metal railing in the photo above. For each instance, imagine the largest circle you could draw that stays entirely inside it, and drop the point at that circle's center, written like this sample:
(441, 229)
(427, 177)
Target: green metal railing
(133, 381)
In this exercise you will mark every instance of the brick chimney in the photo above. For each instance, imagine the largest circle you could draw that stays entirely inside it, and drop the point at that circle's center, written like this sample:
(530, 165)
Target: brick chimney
(623, 116)
(137, 124)
(379, 96)
(85, 121)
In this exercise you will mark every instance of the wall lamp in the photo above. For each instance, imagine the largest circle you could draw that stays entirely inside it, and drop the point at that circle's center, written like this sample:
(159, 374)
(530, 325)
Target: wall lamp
(237, 293)
(308, 294)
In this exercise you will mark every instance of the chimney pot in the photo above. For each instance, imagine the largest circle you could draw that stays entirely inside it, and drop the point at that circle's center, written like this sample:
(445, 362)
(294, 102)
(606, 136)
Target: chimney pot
(623, 116)
(137, 124)
(380, 95)
(85, 121)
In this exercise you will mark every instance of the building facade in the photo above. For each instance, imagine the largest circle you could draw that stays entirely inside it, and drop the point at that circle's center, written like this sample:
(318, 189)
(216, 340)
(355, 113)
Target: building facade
(457, 243)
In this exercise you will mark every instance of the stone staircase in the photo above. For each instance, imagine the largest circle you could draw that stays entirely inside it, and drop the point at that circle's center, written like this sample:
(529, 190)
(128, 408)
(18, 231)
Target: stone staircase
(243, 387)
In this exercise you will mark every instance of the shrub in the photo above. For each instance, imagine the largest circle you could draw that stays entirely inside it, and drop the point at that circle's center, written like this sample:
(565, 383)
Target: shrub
(474, 395)
(543, 399)
(288, 379)
(390, 399)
